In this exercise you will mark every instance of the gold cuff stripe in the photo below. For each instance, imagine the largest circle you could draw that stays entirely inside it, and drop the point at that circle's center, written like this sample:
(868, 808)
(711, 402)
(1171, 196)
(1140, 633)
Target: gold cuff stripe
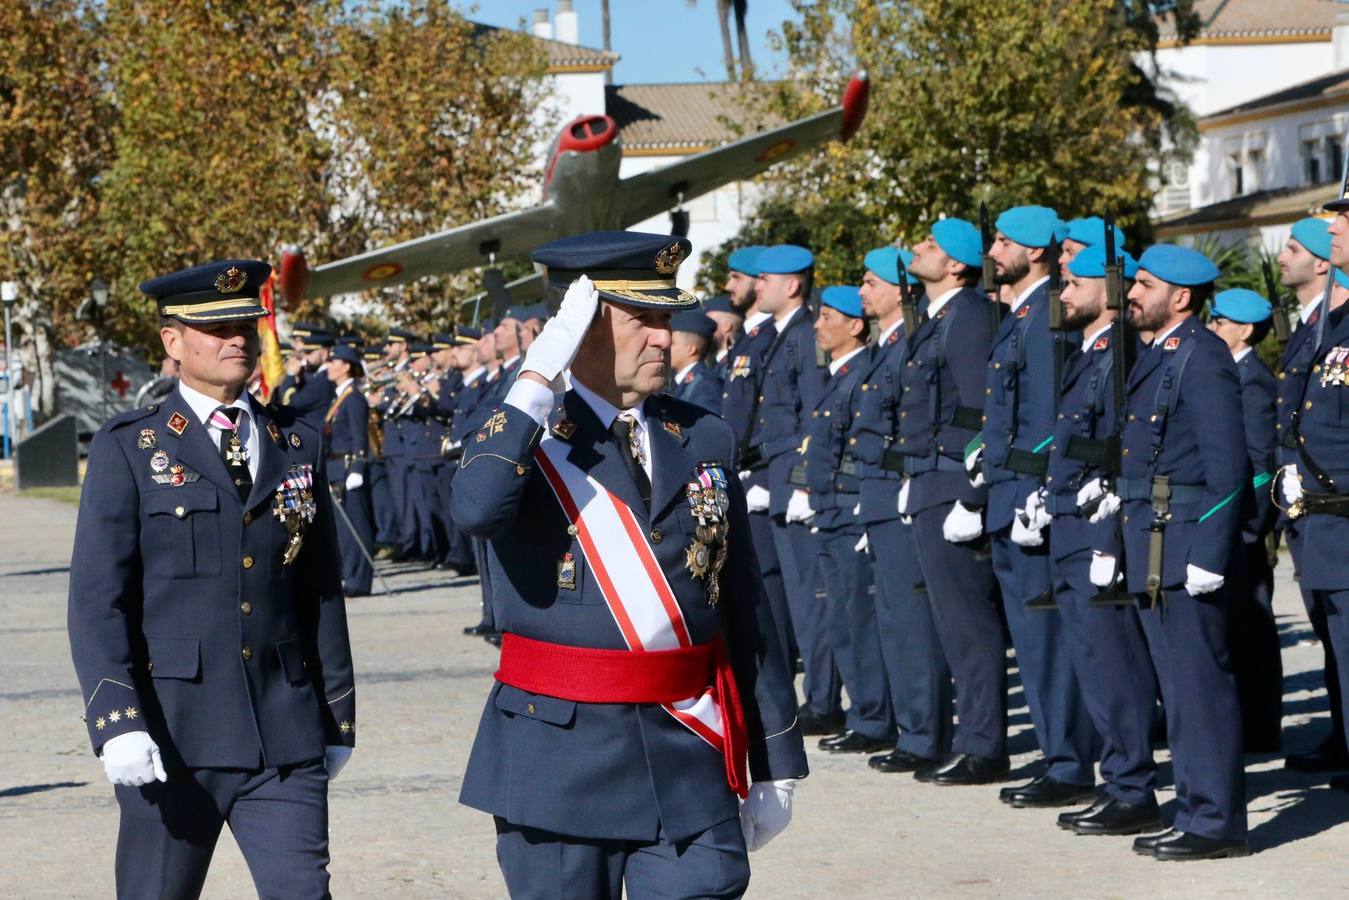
(213, 306)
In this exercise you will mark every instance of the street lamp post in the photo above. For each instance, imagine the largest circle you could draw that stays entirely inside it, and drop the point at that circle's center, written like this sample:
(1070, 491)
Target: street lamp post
(9, 293)
(99, 291)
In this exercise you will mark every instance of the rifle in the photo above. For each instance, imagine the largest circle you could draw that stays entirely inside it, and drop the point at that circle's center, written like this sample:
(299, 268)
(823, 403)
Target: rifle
(990, 285)
(1280, 311)
(1056, 334)
(908, 303)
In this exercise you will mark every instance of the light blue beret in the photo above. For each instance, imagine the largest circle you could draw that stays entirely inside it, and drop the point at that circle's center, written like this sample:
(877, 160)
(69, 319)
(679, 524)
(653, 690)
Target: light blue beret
(784, 259)
(1090, 262)
(1032, 226)
(1091, 231)
(745, 259)
(1314, 234)
(1241, 305)
(886, 262)
(844, 298)
(959, 240)
(1182, 266)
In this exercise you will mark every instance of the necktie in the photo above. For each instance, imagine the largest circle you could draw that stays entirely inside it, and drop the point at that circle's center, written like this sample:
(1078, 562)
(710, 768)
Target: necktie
(226, 418)
(624, 431)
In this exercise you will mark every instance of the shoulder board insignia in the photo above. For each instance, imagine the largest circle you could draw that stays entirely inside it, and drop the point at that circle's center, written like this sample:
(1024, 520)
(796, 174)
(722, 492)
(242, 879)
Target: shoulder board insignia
(147, 439)
(178, 423)
(1101, 344)
(1171, 343)
(673, 428)
(273, 432)
(295, 440)
(564, 429)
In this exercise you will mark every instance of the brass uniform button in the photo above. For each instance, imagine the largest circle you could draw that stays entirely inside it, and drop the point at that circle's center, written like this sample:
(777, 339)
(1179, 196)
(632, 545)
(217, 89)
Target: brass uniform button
(657, 536)
(1309, 405)
(852, 441)
(246, 608)
(248, 518)
(246, 653)
(248, 562)
(238, 482)
(179, 511)
(529, 708)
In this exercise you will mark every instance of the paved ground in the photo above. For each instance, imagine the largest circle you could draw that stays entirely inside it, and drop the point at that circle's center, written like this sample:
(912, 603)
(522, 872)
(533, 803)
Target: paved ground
(397, 831)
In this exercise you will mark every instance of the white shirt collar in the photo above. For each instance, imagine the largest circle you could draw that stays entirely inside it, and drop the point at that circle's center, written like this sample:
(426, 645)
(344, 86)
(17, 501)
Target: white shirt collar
(344, 385)
(836, 364)
(885, 335)
(1242, 354)
(1165, 334)
(1021, 297)
(782, 320)
(474, 374)
(754, 320)
(679, 376)
(722, 353)
(506, 364)
(935, 306)
(1305, 312)
(203, 406)
(1089, 339)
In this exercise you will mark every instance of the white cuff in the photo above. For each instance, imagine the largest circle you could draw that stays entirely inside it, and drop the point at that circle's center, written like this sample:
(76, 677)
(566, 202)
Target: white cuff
(531, 398)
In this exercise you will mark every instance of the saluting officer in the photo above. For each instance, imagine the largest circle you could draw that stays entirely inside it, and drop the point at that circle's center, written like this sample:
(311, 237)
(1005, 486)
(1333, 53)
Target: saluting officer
(346, 441)
(629, 599)
(206, 618)
(915, 667)
(1184, 471)
(940, 404)
(695, 380)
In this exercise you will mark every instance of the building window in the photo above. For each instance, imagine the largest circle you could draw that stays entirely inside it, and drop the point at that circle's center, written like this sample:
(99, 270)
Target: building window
(1336, 157)
(1311, 162)
(1238, 176)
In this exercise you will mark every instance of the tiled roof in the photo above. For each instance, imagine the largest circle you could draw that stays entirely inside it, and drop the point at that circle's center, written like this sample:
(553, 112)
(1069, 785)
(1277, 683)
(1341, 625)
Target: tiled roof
(561, 55)
(1261, 208)
(1327, 87)
(689, 116)
(1261, 18)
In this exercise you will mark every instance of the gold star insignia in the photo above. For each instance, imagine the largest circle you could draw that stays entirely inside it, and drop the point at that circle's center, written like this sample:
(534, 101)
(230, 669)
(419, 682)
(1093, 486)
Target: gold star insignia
(114, 716)
(131, 712)
(99, 723)
(344, 727)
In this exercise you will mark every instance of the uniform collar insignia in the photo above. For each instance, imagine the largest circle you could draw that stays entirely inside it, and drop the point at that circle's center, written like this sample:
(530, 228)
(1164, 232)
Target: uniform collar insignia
(564, 428)
(273, 432)
(178, 423)
(1021, 313)
(1171, 343)
(673, 428)
(295, 440)
(1101, 343)
(894, 336)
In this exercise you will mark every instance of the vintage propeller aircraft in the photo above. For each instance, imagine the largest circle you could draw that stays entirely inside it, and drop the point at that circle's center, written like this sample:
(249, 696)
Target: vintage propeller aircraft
(581, 192)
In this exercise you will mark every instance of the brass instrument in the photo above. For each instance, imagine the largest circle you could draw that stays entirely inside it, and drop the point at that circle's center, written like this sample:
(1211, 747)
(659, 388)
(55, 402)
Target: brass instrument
(402, 404)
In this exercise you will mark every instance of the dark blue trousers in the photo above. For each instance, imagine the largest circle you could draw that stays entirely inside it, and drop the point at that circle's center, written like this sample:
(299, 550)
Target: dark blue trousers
(761, 534)
(1187, 637)
(279, 818)
(542, 865)
(1113, 666)
(798, 558)
(1044, 661)
(1316, 614)
(918, 676)
(850, 628)
(1256, 654)
(1334, 606)
(398, 487)
(356, 572)
(382, 504)
(963, 595)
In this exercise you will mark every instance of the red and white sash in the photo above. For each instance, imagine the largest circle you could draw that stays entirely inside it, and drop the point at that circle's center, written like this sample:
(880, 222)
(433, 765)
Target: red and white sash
(629, 576)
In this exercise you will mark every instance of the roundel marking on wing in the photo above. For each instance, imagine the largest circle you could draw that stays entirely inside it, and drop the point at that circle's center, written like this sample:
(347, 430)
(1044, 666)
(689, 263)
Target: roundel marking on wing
(381, 271)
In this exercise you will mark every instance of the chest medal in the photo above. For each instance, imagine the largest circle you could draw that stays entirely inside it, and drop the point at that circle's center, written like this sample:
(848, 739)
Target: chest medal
(293, 505)
(709, 502)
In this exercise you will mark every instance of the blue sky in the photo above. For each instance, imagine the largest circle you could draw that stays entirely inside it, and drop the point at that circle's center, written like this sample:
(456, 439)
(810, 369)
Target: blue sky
(659, 40)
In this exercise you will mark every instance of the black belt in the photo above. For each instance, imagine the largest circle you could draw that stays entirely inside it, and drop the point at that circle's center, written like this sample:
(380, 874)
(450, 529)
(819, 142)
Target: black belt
(1064, 504)
(969, 418)
(1141, 489)
(752, 460)
(1325, 504)
(1023, 462)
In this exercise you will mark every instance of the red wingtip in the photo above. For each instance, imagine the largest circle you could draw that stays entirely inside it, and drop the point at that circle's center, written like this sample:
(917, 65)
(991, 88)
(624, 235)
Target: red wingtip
(855, 97)
(294, 276)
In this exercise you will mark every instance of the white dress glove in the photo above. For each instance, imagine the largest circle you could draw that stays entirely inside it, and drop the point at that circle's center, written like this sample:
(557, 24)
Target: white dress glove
(335, 757)
(1037, 517)
(1290, 485)
(862, 545)
(962, 524)
(1023, 535)
(1200, 581)
(798, 507)
(756, 498)
(556, 346)
(974, 467)
(133, 759)
(354, 480)
(1109, 503)
(904, 498)
(766, 812)
(1102, 571)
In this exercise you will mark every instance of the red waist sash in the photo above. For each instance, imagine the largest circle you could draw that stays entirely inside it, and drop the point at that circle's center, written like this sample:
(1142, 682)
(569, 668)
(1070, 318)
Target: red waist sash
(590, 675)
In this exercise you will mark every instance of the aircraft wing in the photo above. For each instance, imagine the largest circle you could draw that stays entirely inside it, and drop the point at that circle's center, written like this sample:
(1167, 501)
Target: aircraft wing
(642, 196)
(511, 234)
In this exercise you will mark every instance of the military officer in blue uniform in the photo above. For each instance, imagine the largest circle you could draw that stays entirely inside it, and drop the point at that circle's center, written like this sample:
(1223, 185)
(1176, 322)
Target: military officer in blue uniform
(1109, 651)
(396, 348)
(1184, 472)
(742, 278)
(1019, 416)
(1083, 233)
(422, 455)
(918, 676)
(461, 360)
(730, 325)
(940, 407)
(617, 528)
(695, 381)
(346, 442)
(206, 620)
(310, 391)
(827, 493)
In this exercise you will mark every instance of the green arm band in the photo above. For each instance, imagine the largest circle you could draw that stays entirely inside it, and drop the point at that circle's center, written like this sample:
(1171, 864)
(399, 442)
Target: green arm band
(1230, 497)
(974, 444)
(1043, 444)
(1262, 479)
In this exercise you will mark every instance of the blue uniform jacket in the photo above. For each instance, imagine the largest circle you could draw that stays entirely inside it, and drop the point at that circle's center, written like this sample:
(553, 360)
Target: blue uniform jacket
(183, 618)
(943, 372)
(309, 394)
(346, 433)
(874, 427)
(619, 771)
(702, 386)
(790, 385)
(467, 404)
(392, 445)
(1259, 391)
(1184, 412)
(740, 398)
(1322, 420)
(1018, 405)
(832, 475)
(1294, 369)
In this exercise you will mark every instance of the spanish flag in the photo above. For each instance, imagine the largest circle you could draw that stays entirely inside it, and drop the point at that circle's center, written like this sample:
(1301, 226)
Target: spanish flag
(270, 357)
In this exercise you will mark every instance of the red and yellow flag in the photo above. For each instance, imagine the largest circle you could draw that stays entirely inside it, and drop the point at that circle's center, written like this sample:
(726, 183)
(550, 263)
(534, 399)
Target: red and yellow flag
(270, 357)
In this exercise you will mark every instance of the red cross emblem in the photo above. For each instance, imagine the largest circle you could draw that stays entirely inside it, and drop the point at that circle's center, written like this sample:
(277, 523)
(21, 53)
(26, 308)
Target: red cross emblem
(120, 384)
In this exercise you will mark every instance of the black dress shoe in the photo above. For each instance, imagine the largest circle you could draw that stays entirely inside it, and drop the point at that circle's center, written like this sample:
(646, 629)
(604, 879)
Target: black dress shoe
(1329, 757)
(812, 724)
(969, 769)
(1147, 846)
(494, 638)
(852, 742)
(1339, 782)
(1118, 817)
(1046, 792)
(1067, 819)
(482, 629)
(1005, 795)
(1192, 846)
(928, 774)
(900, 761)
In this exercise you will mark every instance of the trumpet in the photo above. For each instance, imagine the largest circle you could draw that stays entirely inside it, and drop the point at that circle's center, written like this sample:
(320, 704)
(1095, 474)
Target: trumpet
(403, 403)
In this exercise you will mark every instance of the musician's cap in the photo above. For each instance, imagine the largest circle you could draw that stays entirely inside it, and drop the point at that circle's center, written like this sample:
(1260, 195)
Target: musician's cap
(784, 259)
(213, 292)
(401, 334)
(745, 260)
(721, 303)
(1314, 234)
(350, 340)
(694, 321)
(1336, 205)
(1182, 266)
(536, 311)
(959, 240)
(1091, 231)
(442, 341)
(487, 326)
(316, 340)
(843, 297)
(1241, 305)
(515, 312)
(465, 335)
(1032, 226)
(1090, 262)
(418, 349)
(304, 329)
(627, 267)
(889, 262)
(348, 354)
(373, 351)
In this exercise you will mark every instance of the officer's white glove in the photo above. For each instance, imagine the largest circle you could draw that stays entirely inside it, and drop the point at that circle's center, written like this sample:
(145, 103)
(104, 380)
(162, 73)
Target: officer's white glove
(556, 346)
(756, 498)
(862, 545)
(857, 508)
(1290, 485)
(1102, 571)
(1023, 535)
(354, 480)
(335, 758)
(798, 507)
(962, 524)
(1199, 581)
(1092, 492)
(904, 497)
(744, 474)
(766, 812)
(133, 759)
(974, 467)
(1037, 517)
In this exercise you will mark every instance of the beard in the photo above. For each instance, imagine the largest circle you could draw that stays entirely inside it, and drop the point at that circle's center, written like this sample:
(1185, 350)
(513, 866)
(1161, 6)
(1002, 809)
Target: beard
(1144, 319)
(1014, 271)
(1080, 317)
